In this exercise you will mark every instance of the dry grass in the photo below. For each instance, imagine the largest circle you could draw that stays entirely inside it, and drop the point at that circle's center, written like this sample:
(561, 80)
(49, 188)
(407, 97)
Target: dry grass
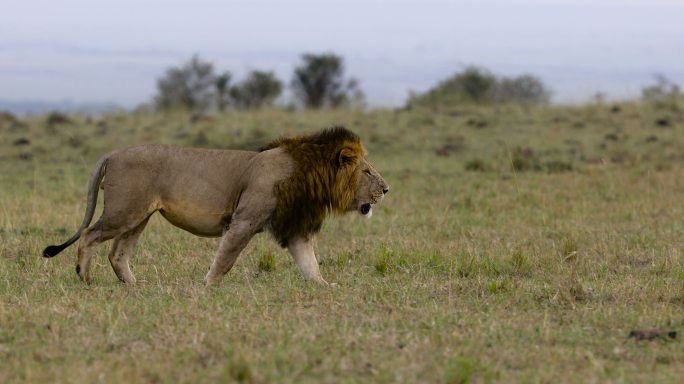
(517, 268)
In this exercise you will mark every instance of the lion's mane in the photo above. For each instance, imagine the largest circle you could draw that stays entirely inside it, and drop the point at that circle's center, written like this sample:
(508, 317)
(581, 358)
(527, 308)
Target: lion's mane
(324, 181)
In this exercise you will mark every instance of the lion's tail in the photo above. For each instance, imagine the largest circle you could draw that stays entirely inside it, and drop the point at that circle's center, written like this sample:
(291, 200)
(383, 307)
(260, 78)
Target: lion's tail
(93, 187)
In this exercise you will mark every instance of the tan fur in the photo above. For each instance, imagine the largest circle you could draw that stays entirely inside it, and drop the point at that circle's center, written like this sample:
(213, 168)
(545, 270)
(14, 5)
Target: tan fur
(288, 188)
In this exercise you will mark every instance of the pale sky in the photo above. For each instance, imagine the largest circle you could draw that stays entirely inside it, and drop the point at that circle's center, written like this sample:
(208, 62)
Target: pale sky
(114, 50)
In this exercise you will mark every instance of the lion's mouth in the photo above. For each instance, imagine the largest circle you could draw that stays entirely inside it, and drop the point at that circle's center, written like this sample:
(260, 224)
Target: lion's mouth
(366, 209)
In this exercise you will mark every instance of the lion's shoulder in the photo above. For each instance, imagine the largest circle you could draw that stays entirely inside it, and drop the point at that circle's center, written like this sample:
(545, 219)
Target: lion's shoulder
(270, 166)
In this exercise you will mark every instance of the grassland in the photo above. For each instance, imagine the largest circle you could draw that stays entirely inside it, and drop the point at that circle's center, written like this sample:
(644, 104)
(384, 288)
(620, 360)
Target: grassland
(515, 245)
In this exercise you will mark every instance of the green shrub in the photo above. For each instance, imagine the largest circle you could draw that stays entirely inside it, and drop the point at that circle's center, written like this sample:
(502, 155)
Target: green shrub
(475, 165)
(557, 166)
(267, 261)
(460, 370)
(477, 85)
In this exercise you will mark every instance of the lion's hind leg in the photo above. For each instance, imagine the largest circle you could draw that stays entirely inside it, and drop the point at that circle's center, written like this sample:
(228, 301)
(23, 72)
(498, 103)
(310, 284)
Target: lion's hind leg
(100, 232)
(122, 250)
(89, 239)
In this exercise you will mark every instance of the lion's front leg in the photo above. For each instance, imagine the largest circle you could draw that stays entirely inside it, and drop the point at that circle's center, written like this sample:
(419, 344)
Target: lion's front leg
(301, 249)
(232, 243)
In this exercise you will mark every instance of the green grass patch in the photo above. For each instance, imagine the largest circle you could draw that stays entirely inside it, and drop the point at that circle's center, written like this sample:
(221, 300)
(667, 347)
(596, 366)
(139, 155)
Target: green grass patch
(267, 261)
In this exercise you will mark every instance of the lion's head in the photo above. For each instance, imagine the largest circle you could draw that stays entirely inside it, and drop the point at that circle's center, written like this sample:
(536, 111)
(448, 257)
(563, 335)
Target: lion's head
(331, 175)
(371, 188)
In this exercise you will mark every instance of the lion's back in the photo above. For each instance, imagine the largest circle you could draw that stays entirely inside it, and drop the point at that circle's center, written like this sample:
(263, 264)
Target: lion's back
(160, 162)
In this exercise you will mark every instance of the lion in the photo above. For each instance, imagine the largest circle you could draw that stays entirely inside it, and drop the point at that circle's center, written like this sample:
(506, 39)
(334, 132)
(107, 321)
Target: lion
(287, 188)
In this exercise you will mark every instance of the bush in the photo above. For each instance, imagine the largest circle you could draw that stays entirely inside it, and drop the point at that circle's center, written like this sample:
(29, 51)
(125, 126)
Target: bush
(663, 93)
(7, 118)
(473, 85)
(267, 262)
(258, 90)
(188, 87)
(319, 82)
(476, 85)
(525, 89)
(525, 159)
(57, 118)
(476, 165)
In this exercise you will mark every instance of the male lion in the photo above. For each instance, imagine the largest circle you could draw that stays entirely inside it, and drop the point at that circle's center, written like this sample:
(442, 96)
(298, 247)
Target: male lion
(287, 188)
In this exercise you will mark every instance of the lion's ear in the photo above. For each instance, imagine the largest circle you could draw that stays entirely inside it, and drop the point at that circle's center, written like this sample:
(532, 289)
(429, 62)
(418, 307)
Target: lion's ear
(347, 156)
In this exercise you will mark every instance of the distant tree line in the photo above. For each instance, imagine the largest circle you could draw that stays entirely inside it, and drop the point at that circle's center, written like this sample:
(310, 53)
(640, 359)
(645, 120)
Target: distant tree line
(476, 85)
(317, 82)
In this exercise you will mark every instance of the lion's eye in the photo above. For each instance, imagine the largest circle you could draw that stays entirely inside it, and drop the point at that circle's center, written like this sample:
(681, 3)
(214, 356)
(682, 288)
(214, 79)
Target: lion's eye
(367, 172)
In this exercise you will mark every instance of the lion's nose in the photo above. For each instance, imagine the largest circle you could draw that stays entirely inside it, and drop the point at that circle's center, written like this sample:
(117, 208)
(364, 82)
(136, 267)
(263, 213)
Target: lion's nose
(385, 190)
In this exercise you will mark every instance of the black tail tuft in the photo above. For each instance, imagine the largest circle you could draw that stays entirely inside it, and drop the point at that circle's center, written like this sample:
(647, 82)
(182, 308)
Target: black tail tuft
(52, 250)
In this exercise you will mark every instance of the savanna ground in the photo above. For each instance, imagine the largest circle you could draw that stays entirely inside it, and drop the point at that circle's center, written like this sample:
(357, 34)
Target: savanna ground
(515, 245)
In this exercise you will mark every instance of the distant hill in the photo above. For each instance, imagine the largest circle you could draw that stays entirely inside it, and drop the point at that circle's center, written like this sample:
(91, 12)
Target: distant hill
(36, 107)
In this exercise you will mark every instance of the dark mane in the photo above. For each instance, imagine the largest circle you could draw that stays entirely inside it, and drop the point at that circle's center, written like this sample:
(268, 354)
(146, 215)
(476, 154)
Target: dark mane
(320, 184)
(333, 135)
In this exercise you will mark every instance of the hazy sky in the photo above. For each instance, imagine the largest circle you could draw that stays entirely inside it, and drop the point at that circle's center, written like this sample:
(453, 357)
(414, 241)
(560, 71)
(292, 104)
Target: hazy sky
(114, 50)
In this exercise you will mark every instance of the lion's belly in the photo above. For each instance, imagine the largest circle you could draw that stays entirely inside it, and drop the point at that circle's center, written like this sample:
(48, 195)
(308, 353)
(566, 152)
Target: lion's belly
(195, 219)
